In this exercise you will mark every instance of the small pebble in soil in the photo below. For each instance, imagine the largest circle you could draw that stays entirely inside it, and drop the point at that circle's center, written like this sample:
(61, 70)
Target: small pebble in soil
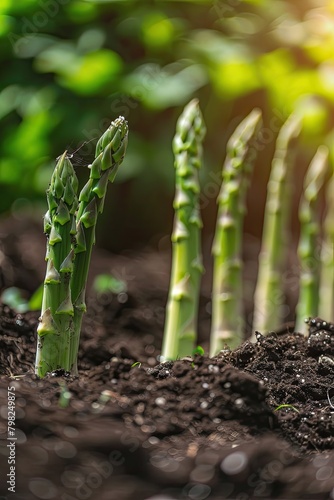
(326, 361)
(64, 449)
(164, 462)
(148, 428)
(202, 473)
(138, 419)
(199, 492)
(122, 297)
(149, 349)
(42, 488)
(70, 431)
(153, 440)
(234, 463)
(160, 401)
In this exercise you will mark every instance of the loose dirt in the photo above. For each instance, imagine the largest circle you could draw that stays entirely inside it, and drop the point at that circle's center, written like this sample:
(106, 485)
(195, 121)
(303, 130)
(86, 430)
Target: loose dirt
(253, 423)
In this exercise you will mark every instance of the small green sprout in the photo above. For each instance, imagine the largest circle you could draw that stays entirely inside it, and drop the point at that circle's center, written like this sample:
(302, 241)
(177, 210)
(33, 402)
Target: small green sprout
(291, 407)
(137, 363)
(199, 351)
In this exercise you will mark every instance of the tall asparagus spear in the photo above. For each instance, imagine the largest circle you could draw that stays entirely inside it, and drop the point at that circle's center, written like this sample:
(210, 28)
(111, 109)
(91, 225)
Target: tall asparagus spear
(308, 301)
(182, 307)
(227, 290)
(110, 151)
(71, 234)
(268, 297)
(326, 305)
(54, 330)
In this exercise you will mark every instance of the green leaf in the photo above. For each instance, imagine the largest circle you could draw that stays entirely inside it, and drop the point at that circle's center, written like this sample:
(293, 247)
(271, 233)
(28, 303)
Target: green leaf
(106, 283)
(35, 302)
(159, 88)
(199, 351)
(14, 298)
(158, 30)
(93, 72)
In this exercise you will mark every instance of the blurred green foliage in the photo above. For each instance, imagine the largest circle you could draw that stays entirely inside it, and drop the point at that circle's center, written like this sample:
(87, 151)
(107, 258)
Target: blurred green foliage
(71, 66)
(107, 283)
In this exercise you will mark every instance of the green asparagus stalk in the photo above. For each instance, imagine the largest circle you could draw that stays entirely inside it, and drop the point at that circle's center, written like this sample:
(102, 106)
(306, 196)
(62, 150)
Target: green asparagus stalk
(110, 151)
(70, 228)
(54, 330)
(326, 305)
(268, 297)
(308, 301)
(227, 320)
(182, 307)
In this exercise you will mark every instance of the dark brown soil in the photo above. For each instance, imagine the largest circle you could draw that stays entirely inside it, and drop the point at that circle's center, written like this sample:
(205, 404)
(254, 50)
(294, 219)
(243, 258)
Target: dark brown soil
(194, 429)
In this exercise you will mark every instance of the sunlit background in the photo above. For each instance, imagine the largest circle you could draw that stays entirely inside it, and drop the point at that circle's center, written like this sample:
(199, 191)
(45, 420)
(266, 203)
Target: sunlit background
(69, 67)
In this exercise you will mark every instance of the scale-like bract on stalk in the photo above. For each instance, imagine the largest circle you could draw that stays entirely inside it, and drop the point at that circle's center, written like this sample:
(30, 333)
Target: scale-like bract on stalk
(182, 308)
(54, 330)
(268, 297)
(326, 305)
(308, 246)
(227, 322)
(110, 151)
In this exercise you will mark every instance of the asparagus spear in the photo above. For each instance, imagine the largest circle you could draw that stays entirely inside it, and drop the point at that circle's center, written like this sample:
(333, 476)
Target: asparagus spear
(308, 301)
(326, 306)
(70, 227)
(226, 293)
(110, 151)
(268, 297)
(53, 346)
(182, 307)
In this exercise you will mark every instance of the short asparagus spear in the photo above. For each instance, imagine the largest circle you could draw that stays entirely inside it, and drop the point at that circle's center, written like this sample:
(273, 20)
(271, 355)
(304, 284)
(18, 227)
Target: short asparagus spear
(54, 330)
(227, 267)
(308, 246)
(182, 308)
(268, 297)
(110, 151)
(326, 305)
